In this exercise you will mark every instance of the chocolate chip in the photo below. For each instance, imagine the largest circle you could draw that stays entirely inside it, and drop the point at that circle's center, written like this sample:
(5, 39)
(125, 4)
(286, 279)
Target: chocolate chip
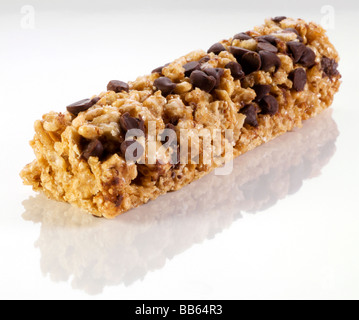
(128, 123)
(216, 73)
(268, 38)
(297, 50)
(204, 59)
(125, 145)
(269, 105)
(261, 90)
(238, 52)
(279, 19)
(308, 58)
(174, 121)
(217, 48)
(242, 36)
(251, 62)
(329, 67)
(203, 81)
(266, 46)
(93, 149)
(159, 69)
(137, 153)
(236, 70)
(82, 105)
(299, 79)
(250, 111)
(302, 54)
(269, 60)
(118, 86)
(95, 100)
(190, 67)
(165, 85)
(118, 201)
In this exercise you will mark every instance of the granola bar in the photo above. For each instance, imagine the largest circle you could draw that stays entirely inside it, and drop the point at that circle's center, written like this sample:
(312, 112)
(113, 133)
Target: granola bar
(256, 86)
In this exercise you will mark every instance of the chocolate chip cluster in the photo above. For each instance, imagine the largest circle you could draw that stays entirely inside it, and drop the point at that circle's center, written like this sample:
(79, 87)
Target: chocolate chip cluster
(264, 57)
(251, 53)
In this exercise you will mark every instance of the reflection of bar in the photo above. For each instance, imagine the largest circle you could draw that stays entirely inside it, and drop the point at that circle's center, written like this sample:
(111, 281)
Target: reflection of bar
(126, 249)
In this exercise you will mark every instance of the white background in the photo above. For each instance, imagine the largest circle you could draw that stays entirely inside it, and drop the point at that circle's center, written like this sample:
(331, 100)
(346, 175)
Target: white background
(283, 226)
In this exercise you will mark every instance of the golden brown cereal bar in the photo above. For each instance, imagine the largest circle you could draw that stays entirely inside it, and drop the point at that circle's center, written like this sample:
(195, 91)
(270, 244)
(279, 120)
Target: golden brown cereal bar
(142, 139)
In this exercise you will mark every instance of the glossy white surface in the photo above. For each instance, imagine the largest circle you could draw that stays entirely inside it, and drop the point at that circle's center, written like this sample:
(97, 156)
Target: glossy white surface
(284, 225)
